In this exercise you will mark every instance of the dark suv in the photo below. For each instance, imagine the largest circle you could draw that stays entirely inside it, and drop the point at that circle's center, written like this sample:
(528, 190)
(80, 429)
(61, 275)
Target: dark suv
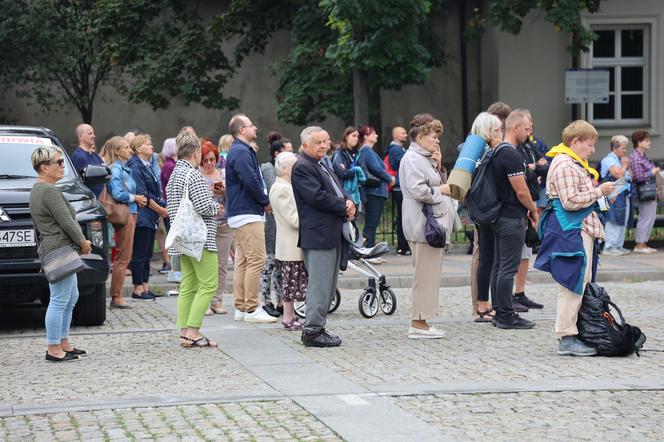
(21, 279)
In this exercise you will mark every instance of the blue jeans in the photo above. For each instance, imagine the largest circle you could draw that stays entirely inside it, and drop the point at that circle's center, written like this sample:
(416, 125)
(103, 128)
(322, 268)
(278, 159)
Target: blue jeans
(615, 233)
(141, 255)
(373, 210)
(64, 295)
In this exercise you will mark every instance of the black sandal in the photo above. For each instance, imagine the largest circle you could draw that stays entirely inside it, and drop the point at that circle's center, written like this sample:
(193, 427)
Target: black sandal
(201, 342)
(485, 316)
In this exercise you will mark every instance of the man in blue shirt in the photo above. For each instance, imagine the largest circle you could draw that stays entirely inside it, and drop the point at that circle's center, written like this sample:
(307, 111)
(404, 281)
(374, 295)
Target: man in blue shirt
(85, 154)
(395, 153)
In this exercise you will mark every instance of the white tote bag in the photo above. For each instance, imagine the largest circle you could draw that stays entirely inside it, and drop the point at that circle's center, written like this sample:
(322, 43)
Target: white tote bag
(188, 231)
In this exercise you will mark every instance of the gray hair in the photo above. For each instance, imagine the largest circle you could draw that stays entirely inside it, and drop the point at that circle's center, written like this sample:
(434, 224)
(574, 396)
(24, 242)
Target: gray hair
(44, 155)
(484, 124)
(283, 161)
(306, 133)
(618, 140)
(187, 145)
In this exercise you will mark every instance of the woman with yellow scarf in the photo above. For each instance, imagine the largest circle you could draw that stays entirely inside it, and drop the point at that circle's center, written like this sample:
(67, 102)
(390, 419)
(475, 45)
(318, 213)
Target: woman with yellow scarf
(570, 229)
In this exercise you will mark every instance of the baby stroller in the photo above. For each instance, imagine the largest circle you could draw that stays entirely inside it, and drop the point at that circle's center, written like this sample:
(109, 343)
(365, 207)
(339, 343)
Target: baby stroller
(372, 297)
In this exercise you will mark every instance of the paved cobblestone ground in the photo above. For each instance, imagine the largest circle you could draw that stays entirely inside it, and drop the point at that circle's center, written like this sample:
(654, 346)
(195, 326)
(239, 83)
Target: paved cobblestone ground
(136, 356)
(564, 416)
(120, 366)
(241, 421)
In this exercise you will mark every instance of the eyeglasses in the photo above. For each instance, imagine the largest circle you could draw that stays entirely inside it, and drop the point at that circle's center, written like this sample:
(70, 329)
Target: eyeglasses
(209, 160)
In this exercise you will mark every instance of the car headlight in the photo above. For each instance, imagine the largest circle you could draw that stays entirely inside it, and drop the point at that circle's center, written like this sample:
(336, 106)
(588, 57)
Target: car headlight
(80, 206)
(95, 233)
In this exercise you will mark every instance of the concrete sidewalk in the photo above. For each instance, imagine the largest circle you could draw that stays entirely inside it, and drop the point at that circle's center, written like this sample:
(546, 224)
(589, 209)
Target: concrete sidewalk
(456, 272)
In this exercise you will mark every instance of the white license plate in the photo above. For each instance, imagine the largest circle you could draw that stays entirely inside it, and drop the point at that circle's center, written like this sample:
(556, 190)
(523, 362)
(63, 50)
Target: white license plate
(17, 238)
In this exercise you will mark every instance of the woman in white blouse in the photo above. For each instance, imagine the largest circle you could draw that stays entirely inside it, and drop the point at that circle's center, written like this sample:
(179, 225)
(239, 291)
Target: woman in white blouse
(287, 254)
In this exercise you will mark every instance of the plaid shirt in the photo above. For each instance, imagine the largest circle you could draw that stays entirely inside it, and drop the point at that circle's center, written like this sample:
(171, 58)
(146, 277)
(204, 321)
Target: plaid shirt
(571, 183)
(641, 167)
(199, 194)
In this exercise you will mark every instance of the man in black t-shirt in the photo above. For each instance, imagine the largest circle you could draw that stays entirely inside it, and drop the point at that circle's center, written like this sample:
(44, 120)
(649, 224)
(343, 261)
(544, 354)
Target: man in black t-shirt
(510, 228)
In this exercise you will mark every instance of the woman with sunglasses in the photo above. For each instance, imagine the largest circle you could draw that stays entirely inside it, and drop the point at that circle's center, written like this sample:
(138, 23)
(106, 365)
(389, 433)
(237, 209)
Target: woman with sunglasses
(55, 220)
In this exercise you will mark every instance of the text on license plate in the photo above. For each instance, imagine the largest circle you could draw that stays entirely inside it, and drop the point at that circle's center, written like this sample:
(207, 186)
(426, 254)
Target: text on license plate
(17, 238)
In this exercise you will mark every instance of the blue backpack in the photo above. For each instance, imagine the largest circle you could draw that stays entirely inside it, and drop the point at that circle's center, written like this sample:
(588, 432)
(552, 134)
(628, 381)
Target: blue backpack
(482, 199)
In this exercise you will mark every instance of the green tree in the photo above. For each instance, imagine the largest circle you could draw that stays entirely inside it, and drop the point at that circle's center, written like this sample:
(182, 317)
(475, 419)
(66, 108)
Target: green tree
(343, 52)
(64, 51)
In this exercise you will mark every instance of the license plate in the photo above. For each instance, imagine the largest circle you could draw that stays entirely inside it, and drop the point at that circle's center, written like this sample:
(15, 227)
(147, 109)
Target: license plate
(17, 238)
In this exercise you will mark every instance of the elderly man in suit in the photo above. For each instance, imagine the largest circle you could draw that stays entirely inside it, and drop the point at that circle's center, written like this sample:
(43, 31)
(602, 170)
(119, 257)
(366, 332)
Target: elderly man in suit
(322, 207)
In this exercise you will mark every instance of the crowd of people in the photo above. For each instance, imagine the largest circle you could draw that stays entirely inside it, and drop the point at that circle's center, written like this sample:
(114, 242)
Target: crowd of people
(281, 222)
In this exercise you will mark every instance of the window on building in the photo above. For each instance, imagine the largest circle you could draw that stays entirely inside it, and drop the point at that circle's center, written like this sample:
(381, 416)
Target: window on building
(624, 51)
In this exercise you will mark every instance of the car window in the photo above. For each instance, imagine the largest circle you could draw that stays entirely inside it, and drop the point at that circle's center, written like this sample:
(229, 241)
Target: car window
(16, 152)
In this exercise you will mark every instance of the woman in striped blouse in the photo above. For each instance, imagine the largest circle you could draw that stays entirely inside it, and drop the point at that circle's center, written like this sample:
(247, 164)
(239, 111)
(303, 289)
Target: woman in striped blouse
(198, 278)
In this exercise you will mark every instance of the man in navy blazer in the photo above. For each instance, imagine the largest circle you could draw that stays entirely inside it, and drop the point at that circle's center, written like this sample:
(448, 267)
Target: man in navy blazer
(322, 207)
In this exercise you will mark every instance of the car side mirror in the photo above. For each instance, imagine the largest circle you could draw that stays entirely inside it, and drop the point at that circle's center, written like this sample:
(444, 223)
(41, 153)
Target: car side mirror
(96, 175)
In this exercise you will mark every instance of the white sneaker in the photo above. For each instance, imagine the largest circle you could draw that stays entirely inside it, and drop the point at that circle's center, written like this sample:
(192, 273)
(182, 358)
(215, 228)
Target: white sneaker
(652, 250)
(644, 250)
(611, 251)
(375, 261)
(173, 276)
(239, 316)
(432, 333)
(259, 315)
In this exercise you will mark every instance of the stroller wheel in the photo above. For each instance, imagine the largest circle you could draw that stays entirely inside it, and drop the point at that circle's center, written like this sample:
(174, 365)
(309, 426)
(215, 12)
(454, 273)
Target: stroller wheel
(388, 301)
(368, 304)
(301, 307)
(336, 300)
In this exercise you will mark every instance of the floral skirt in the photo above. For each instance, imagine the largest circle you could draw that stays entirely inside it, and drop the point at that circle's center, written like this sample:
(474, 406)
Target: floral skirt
(294, 278)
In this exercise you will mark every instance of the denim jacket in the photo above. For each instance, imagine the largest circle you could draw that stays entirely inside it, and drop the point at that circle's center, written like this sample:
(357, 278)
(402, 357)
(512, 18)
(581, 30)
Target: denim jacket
(120, 173)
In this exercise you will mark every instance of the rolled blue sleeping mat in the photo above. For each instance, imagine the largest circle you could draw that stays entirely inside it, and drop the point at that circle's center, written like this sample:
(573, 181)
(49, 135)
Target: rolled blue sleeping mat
(461, 176)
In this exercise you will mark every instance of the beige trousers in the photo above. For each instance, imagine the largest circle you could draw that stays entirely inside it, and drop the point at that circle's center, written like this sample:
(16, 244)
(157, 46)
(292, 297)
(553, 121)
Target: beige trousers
(249, 261)
(569, 303)
(426, 281)
(124, 245)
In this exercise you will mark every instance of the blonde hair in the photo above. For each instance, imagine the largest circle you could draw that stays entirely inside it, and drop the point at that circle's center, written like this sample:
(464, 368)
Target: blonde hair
(111, 148)
(619, 140)
(579, 129)
(44, 155)
(138, 141)
(225, 143)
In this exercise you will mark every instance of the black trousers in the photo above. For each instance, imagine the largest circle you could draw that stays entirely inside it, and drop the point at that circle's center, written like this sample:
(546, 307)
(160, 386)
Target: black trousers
(141, 255)
(508, 236)
(485, 267)
(397, 200)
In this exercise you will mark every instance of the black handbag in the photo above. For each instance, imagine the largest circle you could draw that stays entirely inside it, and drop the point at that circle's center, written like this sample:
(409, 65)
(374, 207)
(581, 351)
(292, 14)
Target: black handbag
(647, 191)
(434, 233)
(62, 262)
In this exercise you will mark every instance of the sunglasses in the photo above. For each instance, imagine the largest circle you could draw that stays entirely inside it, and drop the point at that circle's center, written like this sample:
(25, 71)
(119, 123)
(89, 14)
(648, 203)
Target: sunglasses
(60, 162)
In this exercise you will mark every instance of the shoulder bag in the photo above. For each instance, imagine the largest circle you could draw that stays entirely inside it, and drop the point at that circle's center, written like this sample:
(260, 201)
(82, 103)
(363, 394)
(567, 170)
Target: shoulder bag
(647, 191)
(434, 233)
(62, 262)
(116, 213)
(188, 231)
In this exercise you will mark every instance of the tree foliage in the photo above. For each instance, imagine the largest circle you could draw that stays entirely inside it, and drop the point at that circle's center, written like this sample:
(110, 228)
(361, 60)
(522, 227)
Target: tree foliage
(64, 51)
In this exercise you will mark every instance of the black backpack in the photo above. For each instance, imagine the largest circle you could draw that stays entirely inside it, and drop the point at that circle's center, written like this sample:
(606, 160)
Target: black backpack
(482, 198)
(599, 327)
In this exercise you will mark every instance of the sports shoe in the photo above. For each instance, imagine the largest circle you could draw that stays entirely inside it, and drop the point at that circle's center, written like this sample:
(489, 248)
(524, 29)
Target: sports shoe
(259, 315)
(375, 261)
(612, 251)
(572, 346)
(271, 310)
(643, 250)
(518, 307)
(624, 251)
(173, 276)
(239, 315)
(431, 333)
(526, 302)
(165, 268)
(652, 250)
(514, 322)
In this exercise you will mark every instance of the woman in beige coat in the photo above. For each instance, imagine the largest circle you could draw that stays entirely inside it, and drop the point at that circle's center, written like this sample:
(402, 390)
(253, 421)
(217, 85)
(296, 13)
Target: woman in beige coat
(422, 182)
(287, 254)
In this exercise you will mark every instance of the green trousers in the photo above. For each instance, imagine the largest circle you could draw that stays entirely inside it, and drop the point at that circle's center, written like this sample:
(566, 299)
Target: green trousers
(198, 284)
